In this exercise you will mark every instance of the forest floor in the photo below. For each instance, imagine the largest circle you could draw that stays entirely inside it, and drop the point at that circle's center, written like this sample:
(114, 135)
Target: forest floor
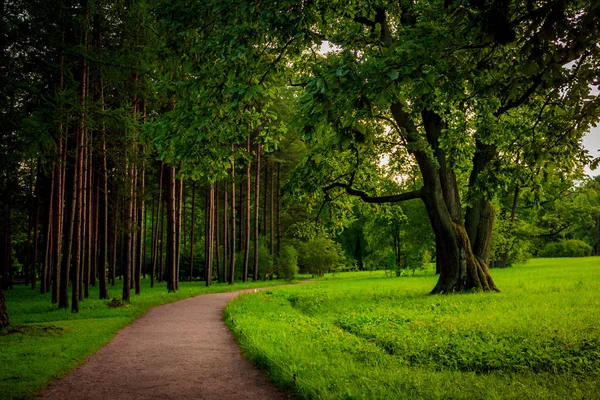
(181, 350)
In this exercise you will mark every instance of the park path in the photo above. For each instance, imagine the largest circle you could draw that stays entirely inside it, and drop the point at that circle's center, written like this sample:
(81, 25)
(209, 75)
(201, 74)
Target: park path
(181, 350)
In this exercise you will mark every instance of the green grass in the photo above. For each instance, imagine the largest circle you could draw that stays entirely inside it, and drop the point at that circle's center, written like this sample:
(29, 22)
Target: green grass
(44, 343)
(385, 338)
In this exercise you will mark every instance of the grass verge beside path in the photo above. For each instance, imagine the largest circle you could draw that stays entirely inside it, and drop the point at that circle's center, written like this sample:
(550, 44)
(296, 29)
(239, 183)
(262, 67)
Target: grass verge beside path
(385, 338)
(44, 343)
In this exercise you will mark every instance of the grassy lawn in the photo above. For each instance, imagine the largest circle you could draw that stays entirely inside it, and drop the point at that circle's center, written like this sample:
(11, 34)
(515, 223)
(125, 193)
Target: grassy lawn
(385, 338)
(44, 343)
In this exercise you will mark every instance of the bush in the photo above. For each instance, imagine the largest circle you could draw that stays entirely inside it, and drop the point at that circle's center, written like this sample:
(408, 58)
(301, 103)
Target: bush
(567, 248)
(288, 263)
(320, 255)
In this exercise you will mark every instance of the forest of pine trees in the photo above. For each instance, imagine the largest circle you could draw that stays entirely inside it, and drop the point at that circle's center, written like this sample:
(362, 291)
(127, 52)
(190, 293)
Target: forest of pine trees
(88, 201)
(138, 143)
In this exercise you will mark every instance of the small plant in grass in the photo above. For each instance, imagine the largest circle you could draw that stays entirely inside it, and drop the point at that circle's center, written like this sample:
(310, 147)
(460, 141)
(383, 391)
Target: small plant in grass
(116, 302)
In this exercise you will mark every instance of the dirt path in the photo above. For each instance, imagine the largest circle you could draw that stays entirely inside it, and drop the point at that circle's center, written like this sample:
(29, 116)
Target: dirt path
(181, 350)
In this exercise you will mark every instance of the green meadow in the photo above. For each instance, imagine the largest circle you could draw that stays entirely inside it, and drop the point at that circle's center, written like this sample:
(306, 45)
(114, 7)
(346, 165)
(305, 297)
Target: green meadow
(386, 338)
(44, 343)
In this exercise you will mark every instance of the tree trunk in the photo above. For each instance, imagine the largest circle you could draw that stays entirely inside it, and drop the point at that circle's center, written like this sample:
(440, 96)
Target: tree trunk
(247, 216)
(460, 268)
(171, 235)
(103, 229)
(155, 241)
(232, 261)
(35, 234)
(210, 234)
(51, 234)
(225, 234)
(256, 214)
(217, 237)
(265, 198)
(4, 321)
(192, 227)
(278, 209)
(128, 226)
(178, 232)
(271, 214)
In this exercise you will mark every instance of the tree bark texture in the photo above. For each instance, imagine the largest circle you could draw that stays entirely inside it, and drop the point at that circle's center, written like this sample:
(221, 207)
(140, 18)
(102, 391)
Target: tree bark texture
(171, 234)
(256, 213)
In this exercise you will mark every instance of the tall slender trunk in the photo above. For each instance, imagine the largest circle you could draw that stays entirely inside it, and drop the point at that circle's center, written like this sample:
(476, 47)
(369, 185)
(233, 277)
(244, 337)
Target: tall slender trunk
(178, 231)
(256, 213)
(217, 237)
(192, 227)
(83, 227)
(115, 237)
(27, 264)
(225, 233)
(271, 214)
(278, 209)
(171, 226)
(142, 226)
(247, 216)
(155, 240)
(134, 218)
(232, 261)
(265, 199)
(161, 243)
(35, 234)
(103, 206)
(128, 227)
(210, 234)
(51, 234)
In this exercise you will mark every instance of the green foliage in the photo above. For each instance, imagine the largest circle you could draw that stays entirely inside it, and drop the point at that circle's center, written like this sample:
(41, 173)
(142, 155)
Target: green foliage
(383, 338)
(320, 255)
(288, 263)
(567, 248)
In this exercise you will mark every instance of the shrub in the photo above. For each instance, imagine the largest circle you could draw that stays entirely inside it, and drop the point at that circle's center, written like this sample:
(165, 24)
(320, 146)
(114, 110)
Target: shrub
(320, 255)
(288, 263)
(567, 248)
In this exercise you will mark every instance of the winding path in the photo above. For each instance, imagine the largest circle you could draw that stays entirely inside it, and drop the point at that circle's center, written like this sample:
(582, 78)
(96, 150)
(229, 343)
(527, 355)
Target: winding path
(181, 350)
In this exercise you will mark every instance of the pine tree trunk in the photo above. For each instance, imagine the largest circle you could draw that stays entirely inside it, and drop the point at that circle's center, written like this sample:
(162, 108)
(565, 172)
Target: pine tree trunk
(171, 235)
(217, 237)
(225, 233)
(35, 234)
(278, 209)
(265, 198)
(256, 213)
(192, 227)
(178, 233)
(247, 217)
(210, 234)
(51, 234)
(232, 261)
(103, 217)
(115, 236)
(127, 225)
(271, 215)
(83, 229)
(4, 321)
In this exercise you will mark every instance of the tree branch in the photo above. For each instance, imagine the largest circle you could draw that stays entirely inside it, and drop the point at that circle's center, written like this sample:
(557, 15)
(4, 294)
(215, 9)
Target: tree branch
(396, 198)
